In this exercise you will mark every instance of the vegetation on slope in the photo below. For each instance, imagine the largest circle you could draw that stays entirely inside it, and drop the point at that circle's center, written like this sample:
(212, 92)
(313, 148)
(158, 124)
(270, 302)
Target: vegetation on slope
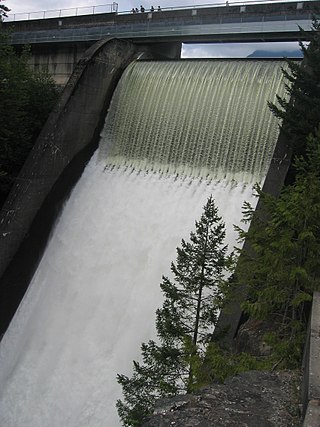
(281, 269)
(26, 101)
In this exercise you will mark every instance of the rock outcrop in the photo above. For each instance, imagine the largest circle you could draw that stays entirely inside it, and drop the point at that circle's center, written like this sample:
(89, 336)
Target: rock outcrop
(251, 399)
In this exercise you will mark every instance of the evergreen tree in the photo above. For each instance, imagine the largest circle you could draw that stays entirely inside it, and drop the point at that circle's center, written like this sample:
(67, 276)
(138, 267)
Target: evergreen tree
(282, 268)
(184, 323)
(26, 101)
(300, 110)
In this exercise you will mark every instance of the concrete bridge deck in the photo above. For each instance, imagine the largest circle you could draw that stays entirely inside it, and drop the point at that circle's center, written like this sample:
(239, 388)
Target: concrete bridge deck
(236, 23)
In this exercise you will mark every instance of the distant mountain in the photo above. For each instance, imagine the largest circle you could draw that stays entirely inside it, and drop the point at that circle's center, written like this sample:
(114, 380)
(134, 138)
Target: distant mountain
(276, 54)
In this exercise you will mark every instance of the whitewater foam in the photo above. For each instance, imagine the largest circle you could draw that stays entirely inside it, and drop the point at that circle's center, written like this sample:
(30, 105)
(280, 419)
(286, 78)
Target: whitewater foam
(93, 298)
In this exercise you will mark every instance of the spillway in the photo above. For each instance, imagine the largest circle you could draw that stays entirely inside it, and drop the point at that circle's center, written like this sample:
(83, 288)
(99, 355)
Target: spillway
(175, 133)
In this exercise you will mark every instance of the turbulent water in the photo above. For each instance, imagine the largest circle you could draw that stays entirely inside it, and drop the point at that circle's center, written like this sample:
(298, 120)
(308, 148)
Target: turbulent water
(92, 300)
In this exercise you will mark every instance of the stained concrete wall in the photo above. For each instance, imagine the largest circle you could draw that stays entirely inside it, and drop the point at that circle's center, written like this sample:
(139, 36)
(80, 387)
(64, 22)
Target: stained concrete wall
(58, 59)
(64, 146)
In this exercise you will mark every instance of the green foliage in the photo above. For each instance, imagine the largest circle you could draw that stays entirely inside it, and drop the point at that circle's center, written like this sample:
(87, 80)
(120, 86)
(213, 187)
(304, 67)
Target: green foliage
(301, 110)
(157, 376)
(282, 267)
(219, 364)
(26, 101)
(184, 323)
(3, 11)
(187, 309)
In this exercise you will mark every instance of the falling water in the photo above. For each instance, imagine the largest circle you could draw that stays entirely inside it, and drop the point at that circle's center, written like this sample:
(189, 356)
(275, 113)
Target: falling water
(93, 297)
(215, 123)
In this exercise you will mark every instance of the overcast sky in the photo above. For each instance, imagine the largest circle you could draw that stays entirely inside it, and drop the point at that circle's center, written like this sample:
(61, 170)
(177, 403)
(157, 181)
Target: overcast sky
(200, 51)
(18, 6)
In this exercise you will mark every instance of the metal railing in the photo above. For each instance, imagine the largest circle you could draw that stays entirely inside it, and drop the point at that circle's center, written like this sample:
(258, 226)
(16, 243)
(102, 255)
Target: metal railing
(113, 8)
(151, 29)
(60, 13)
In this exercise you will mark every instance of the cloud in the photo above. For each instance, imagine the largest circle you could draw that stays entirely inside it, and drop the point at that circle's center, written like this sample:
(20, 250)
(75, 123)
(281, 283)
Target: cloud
(233, 50)
(17, 6)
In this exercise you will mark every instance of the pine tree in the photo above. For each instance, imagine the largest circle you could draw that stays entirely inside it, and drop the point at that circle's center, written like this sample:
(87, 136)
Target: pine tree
(184, 323)
(282, 268)
(300, 110)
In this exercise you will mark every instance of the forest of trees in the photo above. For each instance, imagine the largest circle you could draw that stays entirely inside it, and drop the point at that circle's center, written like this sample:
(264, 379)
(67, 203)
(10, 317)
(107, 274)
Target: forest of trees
(27, 98)
(281, 270)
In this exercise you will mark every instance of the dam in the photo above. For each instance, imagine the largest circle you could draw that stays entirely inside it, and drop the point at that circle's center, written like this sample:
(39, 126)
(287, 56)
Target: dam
(175, 133)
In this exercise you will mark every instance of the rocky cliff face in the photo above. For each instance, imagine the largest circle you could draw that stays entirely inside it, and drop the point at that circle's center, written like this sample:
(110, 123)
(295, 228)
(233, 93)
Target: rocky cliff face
(251, 399)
